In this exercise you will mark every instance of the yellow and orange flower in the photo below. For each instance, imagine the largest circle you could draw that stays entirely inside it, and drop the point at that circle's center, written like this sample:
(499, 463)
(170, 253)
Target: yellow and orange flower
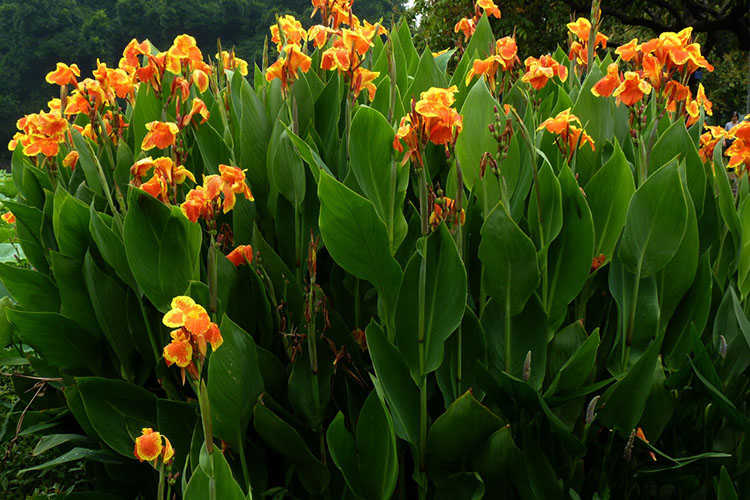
(240, 255)
(151, 445)
(160, 135)
(581, 28)
(629, 51)
(286, 67)
(292, 31)
(70, 160)
(229, 60)
(539, 71)
(709, 140)
(466, 25)
(8, 217)
(632, 89)
(40, 133)
(64, 75)
(199, 108)
(489, 8)
(444, 209)
(363, 79)
(572, 137)
(608, 84)
(196, 328)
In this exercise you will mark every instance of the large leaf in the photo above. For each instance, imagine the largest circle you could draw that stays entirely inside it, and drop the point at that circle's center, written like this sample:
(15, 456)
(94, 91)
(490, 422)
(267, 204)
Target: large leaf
(510, 268)
(442, 312)
(383, 182)
(545, 208)
(71, 222)
(59, 341)
(656, 220)
(215, 475)
(608, 194)
(111, 247)
(393, 377)
(32, 289)
(376, 444)
(118, 411)
(234, 383)
(162, 247)
(287, 173)
(357, 238)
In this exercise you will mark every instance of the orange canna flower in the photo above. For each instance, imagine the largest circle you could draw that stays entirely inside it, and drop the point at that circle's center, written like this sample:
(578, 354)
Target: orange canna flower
(229, 60)
(64, 75)
(196, 327)
(8, 217)
(70, 160)
(632, 89)
(507, 50)
(285, 68)
(235, 179)
(197, 205)
(199, 108)
(628, 51)
(319, 35)
(561, 123)
(292, 30)
(200, 79)
(160, 135)
(489, 8)
(484, 67)
(608, 84)
(441, 121)
(363, 79)
(572, 136)
(149, 447)
(241, 255)
(539, 71)
(444, 209)
(179, 351)
(336, 58)
(466, 26)
(709, 140)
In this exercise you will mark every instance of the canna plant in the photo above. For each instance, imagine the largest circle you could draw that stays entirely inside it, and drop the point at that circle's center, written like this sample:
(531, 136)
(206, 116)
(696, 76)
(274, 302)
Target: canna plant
(505, 281)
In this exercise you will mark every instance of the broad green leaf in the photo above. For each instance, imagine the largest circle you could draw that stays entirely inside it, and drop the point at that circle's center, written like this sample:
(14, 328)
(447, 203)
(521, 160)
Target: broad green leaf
(70, 220)
(426, 76)
(32, 289)
(597, 116)
(726, 487)
(284, 439)
(383, 182)
(74, 296)
(460, 486)
(608, 194)
(451, 381)
(59, 341)
(743, 278)
(376, 446)
(88, 161)
(656, 221)
(28, 229)
(442, 312)
(344, 452)
(571, 254)
(221, 480)
(111, 247)
(117, 410)
(108, 300)
(357, 239)
(50, 441)
(393, 374)
(286, 172)
(463, 428)
(147, 108)
(162, 247)
(102, 456)
(502, 466)
(623, 403)
(510, 267)
(176, 420)
(577, 368)
(545, 224)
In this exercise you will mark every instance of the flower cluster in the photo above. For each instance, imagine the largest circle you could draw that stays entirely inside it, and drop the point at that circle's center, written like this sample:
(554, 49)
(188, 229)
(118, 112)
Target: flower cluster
(432, 119)
(167, 175)
(579, 49)
(468, 25)
(289, 36)
(40, 133)
(8, 217)
(571, 136)
(664, 64)
(739, 151)
(151, 445)
(539, 71)
(444, 209)
(204, 201)
(230, 61)
(193, 330)
(505, 56)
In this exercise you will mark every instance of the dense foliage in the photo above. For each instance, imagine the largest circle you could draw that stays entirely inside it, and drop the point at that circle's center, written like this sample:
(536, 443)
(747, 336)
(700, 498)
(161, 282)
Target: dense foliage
(359, 274)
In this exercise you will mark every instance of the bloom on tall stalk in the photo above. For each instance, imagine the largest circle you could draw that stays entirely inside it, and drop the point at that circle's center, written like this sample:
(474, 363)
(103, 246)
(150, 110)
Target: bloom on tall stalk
(540, 71)
(204, 201)
(151, 445)
(571, 136)
(467, 25)
(432, 119)
(504, 55)
(739, 151)
(194, 329)
(286, 67)
(581, 28)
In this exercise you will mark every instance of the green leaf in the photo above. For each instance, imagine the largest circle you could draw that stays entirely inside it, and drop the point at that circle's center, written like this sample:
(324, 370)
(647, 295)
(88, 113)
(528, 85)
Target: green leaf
(344, 452)
(577, 368)
(286, 172)
(176, 420)
(234, 383)
(473, 350)
(111, 247)
(426, 76)
(376, 444)
(465, 426)
(656, 221)
(608, 194)
(88, 162)
(108, 302)
(460, 486)
(726, 487)
(443, 312)
(571, 254)
(147, 108)
(545, 226)
(357, 239)
(502, 466)
(74, 295)
(117, 410)
(284, 439)
(598, 119)
(59, 341)
(509, 257)
(383, 182)
(32, 289)
(74, 455)
(220, 480)
(162, 247)
(70, 220)
(623, 403)
(743, 277)
(393, 375)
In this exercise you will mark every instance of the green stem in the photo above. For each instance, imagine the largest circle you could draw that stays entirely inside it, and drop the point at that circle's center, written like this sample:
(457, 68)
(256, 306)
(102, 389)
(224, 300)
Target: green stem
(213, 277)
(460, 245)
(628, 338)
(421, 333)
(160, 492)
(243, 462)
